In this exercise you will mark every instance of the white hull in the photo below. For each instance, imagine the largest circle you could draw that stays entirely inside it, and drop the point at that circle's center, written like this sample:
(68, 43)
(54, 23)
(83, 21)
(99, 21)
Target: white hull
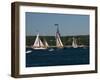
(40, 48)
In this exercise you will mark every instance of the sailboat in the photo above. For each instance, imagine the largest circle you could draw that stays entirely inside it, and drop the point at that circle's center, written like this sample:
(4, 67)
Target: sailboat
(59, 43)
(74, 43)
(38, 43)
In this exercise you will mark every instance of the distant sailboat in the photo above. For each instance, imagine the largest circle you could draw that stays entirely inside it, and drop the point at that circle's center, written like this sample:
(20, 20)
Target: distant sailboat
(38, 43)
(28, 51)
(59, 43)
(74, 43)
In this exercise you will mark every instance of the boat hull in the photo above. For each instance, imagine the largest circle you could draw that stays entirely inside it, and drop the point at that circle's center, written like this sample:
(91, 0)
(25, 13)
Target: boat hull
(40, 48)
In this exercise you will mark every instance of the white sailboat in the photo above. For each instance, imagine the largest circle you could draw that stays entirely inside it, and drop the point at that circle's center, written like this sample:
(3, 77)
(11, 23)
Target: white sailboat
(59, 43)
(74, 43)
(38, 43)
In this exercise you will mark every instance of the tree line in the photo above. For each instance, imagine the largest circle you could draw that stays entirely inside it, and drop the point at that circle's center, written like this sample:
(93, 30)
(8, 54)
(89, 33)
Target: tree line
(66, 40)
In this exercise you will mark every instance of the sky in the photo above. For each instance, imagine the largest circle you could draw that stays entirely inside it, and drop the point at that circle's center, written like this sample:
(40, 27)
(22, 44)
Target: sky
(44, 24)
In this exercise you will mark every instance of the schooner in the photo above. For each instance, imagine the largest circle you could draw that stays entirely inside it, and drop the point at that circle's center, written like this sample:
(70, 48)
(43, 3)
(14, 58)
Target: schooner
(38, 44)
(59, 43)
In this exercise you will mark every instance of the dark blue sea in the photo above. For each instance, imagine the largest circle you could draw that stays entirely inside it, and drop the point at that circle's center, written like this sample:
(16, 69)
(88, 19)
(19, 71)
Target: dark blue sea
(57, 57)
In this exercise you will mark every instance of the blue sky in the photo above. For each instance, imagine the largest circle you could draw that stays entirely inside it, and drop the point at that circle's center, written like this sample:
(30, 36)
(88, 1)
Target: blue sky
(69, 24)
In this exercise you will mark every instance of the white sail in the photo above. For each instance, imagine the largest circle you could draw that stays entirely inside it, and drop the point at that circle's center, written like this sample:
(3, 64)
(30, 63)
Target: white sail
(38, 43)
(41, 44)
(45, 43)
(74, 43)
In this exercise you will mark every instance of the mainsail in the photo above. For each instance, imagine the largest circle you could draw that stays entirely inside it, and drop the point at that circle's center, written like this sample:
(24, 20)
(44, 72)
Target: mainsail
(38, 43)
(74, 43)
(59, 43)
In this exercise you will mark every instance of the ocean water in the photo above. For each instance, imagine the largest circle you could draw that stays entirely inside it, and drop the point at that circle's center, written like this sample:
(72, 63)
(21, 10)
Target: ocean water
(57, 57)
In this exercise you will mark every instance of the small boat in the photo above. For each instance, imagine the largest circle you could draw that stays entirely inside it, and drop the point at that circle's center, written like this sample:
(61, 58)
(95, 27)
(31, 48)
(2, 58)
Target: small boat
(28, 51)
(74, 43)
(59, 43)
(38, 44)
(51, 49)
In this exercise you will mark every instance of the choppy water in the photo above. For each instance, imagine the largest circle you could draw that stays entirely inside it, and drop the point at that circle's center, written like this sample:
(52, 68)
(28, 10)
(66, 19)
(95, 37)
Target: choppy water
(54, 57)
